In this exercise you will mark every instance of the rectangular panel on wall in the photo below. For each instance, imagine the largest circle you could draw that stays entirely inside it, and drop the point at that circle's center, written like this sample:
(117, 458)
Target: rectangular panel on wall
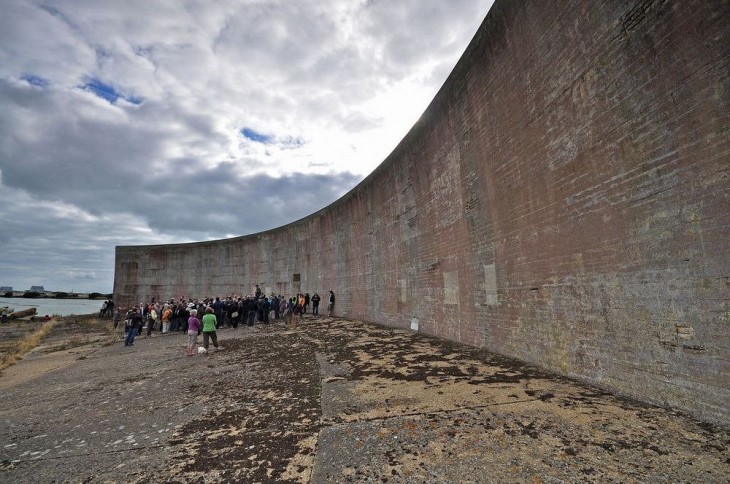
(451, 288)
(490, 284)
(402, 290)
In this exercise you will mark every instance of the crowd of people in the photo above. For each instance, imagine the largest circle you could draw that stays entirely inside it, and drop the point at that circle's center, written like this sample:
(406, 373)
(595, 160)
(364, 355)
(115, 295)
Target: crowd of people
(196, 316)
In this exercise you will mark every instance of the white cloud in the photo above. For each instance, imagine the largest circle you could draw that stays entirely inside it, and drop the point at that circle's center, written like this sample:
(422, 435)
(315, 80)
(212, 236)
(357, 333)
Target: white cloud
(118, 116)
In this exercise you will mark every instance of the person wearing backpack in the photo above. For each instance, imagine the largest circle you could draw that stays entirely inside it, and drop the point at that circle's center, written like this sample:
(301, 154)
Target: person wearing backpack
(135, 324)
(289, 312)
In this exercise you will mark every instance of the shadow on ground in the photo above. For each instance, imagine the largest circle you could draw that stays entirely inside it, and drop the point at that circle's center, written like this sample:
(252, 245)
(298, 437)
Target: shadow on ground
(334, 401)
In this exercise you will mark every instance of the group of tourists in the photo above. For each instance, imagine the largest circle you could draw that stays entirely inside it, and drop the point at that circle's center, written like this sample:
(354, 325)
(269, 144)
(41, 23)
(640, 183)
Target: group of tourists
(194, 316)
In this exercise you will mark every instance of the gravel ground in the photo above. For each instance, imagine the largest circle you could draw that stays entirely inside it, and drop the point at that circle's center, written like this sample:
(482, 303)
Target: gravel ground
(330, 401)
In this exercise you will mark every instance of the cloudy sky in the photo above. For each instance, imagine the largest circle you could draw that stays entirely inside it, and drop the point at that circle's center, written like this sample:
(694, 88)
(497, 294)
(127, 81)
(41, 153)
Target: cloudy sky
(162, 121)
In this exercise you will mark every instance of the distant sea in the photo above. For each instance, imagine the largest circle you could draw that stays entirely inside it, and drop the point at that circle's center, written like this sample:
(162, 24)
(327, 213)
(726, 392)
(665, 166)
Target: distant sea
(51, 306)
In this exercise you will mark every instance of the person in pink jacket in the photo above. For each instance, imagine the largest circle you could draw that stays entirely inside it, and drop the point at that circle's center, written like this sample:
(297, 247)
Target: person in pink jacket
(193, 330)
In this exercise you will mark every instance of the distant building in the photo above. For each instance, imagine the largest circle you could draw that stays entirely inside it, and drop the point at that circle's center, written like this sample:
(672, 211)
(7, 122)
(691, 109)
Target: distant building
(37, 289)
(6, 289)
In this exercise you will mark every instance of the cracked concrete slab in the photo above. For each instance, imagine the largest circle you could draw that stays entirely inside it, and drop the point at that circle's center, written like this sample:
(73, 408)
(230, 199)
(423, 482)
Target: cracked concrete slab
(333, 401)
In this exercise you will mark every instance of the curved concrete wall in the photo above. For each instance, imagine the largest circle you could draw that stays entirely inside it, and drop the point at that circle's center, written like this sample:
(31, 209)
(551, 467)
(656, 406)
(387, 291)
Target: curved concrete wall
(564, 200)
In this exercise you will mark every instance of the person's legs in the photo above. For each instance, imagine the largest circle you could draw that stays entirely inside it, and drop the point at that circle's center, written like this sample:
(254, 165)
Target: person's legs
(130, 336)
(192, 338)
(214, 338)
(206, 337)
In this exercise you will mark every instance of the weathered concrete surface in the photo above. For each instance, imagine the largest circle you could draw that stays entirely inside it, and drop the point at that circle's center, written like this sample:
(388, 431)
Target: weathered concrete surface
(332, 401)
(564, 200)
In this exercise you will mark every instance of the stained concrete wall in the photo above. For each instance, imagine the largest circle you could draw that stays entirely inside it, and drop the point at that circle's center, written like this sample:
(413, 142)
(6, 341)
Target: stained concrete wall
(564, 200)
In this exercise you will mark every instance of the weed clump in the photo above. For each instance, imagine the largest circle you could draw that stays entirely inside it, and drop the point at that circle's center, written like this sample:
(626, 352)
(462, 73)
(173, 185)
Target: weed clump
(17, 350)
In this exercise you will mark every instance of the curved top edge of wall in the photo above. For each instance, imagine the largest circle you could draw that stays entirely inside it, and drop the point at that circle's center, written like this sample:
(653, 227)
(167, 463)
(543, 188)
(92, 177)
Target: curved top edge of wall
(440, 98)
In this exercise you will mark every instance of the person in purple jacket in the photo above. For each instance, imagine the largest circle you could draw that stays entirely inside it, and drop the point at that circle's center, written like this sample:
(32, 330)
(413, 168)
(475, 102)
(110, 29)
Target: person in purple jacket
(193, 329)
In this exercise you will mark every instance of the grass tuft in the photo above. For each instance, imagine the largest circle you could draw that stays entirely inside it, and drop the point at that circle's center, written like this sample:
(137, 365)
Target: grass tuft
(25, 345)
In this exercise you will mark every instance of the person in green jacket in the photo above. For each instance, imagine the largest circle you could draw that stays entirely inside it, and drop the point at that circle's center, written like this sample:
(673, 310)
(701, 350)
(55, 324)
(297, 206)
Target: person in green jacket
(209, 324)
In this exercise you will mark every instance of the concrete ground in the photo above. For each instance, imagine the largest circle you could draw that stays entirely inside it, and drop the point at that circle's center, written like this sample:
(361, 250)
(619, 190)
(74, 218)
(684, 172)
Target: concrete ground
(331, 401)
